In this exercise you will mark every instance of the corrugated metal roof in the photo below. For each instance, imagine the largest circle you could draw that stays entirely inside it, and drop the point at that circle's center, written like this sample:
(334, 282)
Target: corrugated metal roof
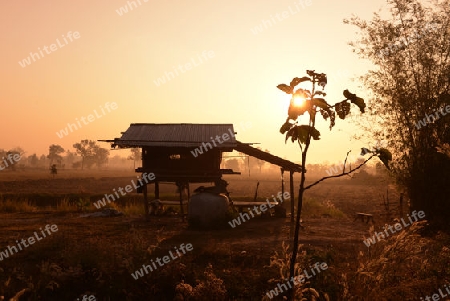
(176, 135)
(192, 135)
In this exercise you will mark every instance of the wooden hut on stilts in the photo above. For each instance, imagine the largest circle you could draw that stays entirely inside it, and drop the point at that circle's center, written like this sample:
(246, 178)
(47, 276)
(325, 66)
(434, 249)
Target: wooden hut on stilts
(184, 153)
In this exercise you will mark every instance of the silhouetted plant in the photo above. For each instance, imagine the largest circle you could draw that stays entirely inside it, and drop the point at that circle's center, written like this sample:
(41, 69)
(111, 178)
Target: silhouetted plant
(312, 102)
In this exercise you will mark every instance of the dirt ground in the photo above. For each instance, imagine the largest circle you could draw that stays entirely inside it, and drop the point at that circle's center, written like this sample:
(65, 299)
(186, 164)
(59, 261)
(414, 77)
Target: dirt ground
(234, 254)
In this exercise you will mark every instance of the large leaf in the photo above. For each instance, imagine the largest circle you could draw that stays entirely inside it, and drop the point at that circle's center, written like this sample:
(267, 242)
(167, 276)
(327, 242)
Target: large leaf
(342, 109)
(285, 88)
(304, 130)
(360, 103)
(332, 119)
(348, 95)
(296, 80)
(355, 99)
(324, 113)
(331, 114)
(294, 110)
(320, 93)
(285, 127)
(292, 133)
(321, 103)
(385, 156)
(301, 133)
(302, 93)
(364, 151)
(322, 79)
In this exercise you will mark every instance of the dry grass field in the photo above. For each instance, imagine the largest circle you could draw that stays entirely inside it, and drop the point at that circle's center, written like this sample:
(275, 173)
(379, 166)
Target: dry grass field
(97, 255)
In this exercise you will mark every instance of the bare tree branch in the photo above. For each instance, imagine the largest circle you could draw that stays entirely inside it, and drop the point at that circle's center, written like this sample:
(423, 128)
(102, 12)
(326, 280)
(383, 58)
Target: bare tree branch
(340, 175)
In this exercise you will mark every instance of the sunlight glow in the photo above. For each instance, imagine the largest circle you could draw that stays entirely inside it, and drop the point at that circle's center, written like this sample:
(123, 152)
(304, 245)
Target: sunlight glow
(298, 100)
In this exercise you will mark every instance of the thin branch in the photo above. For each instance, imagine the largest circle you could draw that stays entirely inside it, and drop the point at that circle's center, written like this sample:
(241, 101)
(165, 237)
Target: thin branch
(345, 162)
(340, 175)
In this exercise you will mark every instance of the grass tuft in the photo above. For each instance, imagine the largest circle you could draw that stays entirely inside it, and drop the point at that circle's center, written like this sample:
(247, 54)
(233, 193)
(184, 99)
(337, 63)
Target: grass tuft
(9, 206)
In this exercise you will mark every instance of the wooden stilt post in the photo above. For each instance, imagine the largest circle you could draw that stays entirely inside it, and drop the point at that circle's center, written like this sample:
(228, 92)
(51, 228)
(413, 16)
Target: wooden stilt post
(189, 196)
(156, 190)
(144, 190)
(180, 188)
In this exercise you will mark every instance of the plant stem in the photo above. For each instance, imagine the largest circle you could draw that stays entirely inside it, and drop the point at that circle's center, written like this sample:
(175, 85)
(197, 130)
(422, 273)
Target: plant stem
(291, 294)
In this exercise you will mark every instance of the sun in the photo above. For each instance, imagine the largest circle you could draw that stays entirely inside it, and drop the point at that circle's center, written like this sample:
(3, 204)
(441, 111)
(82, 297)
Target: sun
(298, 100)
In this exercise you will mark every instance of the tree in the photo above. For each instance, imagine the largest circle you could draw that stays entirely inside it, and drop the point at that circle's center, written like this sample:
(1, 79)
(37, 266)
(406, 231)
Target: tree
(33, 160)
(85, 148)
(310, 101)
(117, 161)
(69, 158)
(135, 155)
(91, 153)
(245, 162)
(54, 152)
(2, 157)
(43, 161)
(10, 159)
(101, 156)
(232, 164)
(411, 91)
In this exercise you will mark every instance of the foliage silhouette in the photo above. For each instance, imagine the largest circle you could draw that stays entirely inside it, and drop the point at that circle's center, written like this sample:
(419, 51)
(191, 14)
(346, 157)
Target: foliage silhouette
(305, 132)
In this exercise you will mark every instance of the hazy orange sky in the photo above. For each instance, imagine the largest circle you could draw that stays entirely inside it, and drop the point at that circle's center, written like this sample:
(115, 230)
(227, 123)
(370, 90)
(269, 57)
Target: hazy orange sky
(115, 56)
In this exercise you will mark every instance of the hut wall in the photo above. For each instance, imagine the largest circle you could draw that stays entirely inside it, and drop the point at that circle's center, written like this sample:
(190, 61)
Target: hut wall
(180, 159)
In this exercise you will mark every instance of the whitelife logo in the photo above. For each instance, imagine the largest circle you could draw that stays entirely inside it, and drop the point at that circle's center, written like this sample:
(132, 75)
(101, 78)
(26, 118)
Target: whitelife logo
(427, 118)
(166, 259)
(89, 119)
(437, 297)
(49, 49)
(398, 227)
(13, 159)
(282, 287)
(102, 203)
(204, 147)
(265, 24)
(403, 42)
(243, 217)
(87, 298)
(124, 9)
(9, 251)
(206, 55)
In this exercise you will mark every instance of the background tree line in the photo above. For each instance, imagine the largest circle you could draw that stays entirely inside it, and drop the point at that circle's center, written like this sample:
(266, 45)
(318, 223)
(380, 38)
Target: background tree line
(86, 155)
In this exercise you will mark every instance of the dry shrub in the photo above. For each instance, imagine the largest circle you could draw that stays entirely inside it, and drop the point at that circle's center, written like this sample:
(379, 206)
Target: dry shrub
(65, 206)
(127, 209)
(401, 267)
(9, 206)
(313, 208)
(209, 289)
(132, 209)
(83, 203)
(281, 261)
